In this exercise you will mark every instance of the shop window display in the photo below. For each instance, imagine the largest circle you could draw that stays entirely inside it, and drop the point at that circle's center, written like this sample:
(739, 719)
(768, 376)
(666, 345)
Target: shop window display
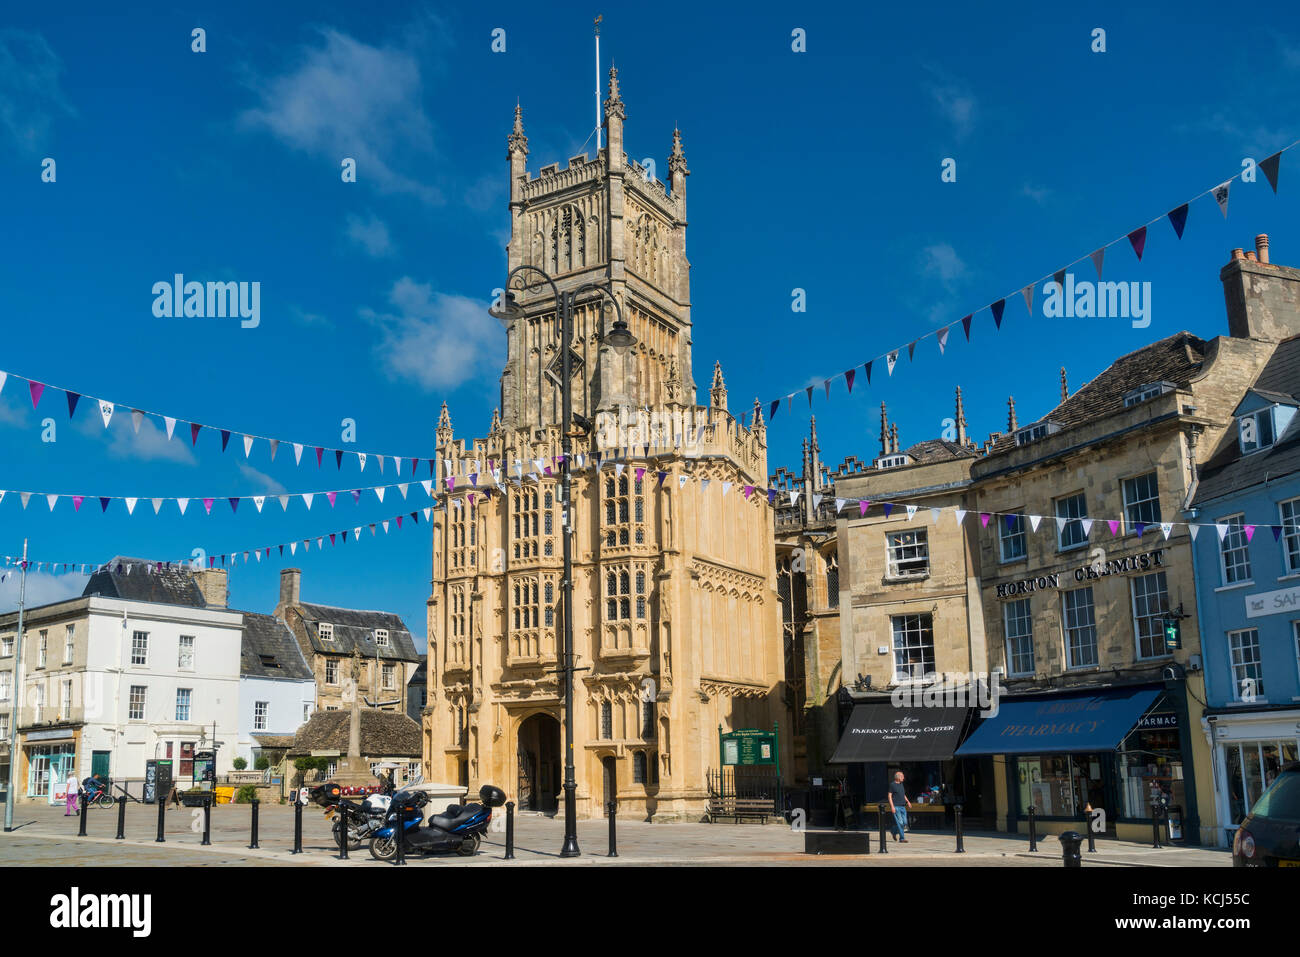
(1060, 785)
(1151, 765)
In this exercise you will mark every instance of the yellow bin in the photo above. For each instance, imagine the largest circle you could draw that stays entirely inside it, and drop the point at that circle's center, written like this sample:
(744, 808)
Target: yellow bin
(224, 795)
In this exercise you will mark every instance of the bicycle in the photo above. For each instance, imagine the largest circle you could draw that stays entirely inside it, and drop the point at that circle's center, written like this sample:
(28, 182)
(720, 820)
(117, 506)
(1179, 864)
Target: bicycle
(102, 796)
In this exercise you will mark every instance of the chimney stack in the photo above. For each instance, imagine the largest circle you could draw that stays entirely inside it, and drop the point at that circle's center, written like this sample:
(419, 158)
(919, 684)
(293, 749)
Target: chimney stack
(214, 586)
(1262, 298)
(290, 586)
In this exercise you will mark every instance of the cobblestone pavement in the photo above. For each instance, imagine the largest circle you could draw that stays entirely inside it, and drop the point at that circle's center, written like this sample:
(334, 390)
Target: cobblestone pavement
(43, 836)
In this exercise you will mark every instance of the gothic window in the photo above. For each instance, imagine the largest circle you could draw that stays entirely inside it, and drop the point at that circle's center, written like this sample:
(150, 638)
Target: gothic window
(638, 767)
(606, 720)
(833, 581)
(624, 511)
(527, 522)
(648, 720)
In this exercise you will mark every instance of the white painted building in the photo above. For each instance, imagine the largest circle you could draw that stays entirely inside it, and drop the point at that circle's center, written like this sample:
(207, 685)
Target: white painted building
(277, 692)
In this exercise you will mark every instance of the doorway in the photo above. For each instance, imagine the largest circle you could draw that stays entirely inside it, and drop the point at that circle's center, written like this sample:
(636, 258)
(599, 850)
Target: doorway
(538, 760)
(610, 767)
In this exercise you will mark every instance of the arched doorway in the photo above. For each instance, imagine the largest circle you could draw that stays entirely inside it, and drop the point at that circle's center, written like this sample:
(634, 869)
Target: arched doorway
(538, 761)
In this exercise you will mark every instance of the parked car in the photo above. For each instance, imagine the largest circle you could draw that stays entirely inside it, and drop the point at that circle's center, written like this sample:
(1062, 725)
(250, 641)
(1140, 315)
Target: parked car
(1270, 835)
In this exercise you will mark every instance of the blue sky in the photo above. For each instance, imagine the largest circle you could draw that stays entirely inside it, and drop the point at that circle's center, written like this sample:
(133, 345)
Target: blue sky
(817, 170)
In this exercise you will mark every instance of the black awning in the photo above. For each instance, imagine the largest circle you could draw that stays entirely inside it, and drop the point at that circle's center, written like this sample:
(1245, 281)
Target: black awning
(882, 732)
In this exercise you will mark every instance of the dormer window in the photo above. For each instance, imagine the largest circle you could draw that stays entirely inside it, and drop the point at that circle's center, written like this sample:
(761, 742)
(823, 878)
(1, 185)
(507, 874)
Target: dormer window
(381, 637)
(325, 631)
(1039, 430)
(268, 661)
(893, 461)
(1148, 391)
(1256, 431)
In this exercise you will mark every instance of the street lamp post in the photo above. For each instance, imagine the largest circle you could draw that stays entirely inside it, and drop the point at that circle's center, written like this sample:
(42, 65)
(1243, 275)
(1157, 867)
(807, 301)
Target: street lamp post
(620, 338)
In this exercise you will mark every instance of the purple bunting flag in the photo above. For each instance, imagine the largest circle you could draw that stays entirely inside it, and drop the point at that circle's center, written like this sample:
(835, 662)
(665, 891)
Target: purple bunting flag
(1138, 238)
(1178, 219)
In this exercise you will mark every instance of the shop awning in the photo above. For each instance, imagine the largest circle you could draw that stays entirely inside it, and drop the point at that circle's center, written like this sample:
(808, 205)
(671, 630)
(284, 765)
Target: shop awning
(1056, 724)
(882, 732)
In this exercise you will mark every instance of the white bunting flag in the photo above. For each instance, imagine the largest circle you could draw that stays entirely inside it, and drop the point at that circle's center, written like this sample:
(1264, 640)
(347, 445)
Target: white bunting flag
(428, 487)
(817, 501)
(1192, 530)
(171, 426)
(794, 498)
(839, 505)
(681, 481)
(361, 461)
(1166, 528)
(297, 454)
(320, 542)
(51, 499)
(704, 484)
(911, 510)
(259, 501)
(960, 514)
(1087, 526)
(385, 524)
(618, 469)
(284, 503)
(307, 497)
(1034, 520)
(136, 417)
(397, 464)
(426, 513)
(381, 464)
(726, 487)
(248, 445)
(106, 411)
(130, 505)
(181, 503)
(1222, 529)
(258, 553)
(275, 445)
(356, 532)
(3, 377)
(293, 548)
(943, 339)
(891, 360)
(402, 488)
(157, 504)
(1221, 197)
(1060, 525)
(934, 516)
(379, 491)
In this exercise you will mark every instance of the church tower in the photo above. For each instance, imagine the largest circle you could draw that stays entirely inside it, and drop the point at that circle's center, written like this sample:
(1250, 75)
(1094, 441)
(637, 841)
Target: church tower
(675, 617)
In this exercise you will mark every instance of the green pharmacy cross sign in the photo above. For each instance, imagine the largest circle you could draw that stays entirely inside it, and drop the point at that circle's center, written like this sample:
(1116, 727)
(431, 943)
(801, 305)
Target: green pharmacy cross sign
(748, 746)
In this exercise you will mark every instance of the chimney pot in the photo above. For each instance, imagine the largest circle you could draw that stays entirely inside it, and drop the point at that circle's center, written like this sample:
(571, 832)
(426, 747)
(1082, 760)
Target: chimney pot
(1238, 253)
(1250, 255)
(1261, 247)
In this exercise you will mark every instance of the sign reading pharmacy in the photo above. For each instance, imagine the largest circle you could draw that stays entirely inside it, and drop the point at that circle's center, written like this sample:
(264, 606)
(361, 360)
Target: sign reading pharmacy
(1115, 566)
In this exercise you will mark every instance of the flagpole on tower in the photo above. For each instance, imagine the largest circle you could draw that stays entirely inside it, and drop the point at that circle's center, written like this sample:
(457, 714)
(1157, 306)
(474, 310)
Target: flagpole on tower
(597, 25)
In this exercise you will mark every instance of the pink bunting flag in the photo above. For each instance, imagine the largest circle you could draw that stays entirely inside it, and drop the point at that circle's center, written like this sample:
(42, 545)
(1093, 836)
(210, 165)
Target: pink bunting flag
(194, 433)
(862, 508)
(331, 496)
(76, 502)
(1250, 532)
(319, 453)
(36, 389)
(984, 519)
(207, 505)
(1114, 526)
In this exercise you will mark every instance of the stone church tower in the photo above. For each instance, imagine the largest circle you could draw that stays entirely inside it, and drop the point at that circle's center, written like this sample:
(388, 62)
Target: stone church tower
(676, 624)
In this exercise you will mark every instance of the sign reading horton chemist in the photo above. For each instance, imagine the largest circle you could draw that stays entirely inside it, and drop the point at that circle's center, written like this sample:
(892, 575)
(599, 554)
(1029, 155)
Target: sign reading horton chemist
(1115, 566)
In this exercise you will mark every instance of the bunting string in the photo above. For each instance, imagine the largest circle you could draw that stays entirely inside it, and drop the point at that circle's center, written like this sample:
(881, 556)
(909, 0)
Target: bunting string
(1136, 238)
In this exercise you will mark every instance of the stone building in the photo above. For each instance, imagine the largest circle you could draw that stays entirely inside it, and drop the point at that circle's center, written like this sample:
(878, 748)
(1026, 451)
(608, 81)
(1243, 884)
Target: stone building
(346, 649)
(1081, 569)
(675, 614)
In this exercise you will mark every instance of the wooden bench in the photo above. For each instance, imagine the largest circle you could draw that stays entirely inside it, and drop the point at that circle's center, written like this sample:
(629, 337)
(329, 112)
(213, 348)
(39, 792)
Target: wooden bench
(739, 807)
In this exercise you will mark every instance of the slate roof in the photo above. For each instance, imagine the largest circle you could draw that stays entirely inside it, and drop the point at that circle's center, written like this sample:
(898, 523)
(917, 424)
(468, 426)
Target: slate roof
(383, 733)
(268, 650)
(167, 584)
(938, 450)
(356, 629)
(1229, 471)
(1175, 359)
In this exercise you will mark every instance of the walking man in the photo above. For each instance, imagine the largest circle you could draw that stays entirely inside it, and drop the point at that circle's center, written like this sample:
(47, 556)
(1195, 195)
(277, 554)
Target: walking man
(898, 803)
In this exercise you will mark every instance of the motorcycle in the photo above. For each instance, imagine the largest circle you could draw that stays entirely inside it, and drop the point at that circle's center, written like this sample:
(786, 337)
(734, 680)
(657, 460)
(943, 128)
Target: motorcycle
(459, 828)
(362, 819)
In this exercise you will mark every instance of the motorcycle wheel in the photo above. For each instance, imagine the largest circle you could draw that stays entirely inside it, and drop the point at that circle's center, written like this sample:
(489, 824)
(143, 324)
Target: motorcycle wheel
(383, 848)
(469, 846)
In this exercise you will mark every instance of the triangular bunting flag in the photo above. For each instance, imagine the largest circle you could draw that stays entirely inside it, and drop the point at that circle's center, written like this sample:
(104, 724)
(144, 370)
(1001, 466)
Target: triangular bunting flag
(181, 503)
(338, 459)
(1270, 168)
(1138, 239)
(1277, 532)
(943, 339)
(194, 433)
(1028, 293)
(1058, 277)
(379, 492)
(259, 500)
(130, 505)
(35, 388)
(297, 454)
(1222, 529)
(1087, 526)
(1034, 521)
(849, 376)
(331, 496)
(51, 499)
(1097, 258)
(248, 445)
(103, 503)
(934, 515)
(863, 505)
(959, 514)
(890, 360)
(1192, 530)
(320, 452)
(307, 497)
(72, 403)
(1221, 197)
(1166, 528)
(105, 411)
(867, 369)
(225, 439)
(996, 309)
(911, 510)
(284, 502)
(207, 505)
(965, 326)
(1178, 219)
(157, 504)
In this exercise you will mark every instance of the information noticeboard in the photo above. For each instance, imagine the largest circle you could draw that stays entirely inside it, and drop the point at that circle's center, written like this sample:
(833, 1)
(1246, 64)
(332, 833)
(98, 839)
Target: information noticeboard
(205, 769)
(749, 746)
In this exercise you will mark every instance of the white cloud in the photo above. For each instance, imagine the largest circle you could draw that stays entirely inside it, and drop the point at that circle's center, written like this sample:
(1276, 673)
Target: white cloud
(941, 262)
(30, 96)
(265, 484)
(346, 98)
(42, 588)
(435, 340)
(954, 101)
(298, 314)
(370, 234)
(1039, 194)
(149, 445)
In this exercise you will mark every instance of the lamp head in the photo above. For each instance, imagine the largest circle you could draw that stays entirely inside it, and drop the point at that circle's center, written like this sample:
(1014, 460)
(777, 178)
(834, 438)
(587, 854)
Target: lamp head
(506, 308)
(620, 337)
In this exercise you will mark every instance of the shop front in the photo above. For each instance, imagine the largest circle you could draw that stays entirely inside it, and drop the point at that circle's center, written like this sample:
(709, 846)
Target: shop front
(1114, 750)
(49, 757)
(1250, 748)
(881, 738)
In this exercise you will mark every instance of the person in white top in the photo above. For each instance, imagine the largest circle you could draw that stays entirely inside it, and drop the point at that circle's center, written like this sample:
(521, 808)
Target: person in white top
(74, 787)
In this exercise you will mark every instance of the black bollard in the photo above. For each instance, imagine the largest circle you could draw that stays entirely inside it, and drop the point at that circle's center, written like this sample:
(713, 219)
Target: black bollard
(1070, 842)
(612, 807)
(956, 814)
(162, 810)
(881, 809)
(207, 820)
(1033, 831)
(510, 830)
(1093, 818)
(81, 825)
(297, 825)
(121, 818)
(343, 832)
(253, 843)
(400, 857)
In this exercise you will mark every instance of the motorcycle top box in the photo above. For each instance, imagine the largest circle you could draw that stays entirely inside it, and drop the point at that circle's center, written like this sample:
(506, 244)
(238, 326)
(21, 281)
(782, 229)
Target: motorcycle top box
(492, 796)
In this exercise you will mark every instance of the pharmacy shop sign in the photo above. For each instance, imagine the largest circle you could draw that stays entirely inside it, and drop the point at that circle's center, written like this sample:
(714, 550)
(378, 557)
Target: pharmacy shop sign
(1114, 566)
(1272, 602)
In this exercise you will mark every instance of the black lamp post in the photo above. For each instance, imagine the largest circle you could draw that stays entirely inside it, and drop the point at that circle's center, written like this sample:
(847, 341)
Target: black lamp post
(619, 338)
